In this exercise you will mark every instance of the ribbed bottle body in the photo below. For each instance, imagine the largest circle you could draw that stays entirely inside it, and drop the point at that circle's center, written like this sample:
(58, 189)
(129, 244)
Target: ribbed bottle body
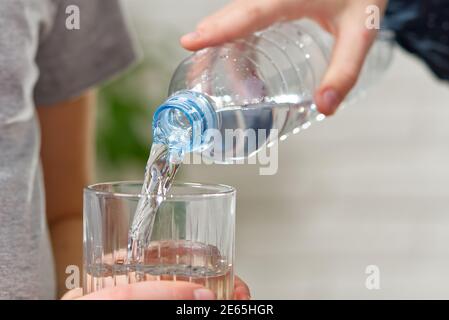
(265, 84)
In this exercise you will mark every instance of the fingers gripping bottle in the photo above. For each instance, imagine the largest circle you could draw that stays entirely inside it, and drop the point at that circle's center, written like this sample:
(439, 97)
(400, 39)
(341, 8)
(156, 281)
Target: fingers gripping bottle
(230, 101)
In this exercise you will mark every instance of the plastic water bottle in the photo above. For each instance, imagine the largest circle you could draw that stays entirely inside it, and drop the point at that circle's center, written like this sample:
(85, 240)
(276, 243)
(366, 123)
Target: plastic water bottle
(253, 91)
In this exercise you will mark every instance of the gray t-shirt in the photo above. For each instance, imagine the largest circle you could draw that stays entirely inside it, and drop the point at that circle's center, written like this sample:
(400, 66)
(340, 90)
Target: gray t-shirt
(42, 63)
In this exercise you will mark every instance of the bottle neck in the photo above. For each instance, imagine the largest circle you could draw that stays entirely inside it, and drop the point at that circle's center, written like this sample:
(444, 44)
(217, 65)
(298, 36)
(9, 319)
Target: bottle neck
(181, 122)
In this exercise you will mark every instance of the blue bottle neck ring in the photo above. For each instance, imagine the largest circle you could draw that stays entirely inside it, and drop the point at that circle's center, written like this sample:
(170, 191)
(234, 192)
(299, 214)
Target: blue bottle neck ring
(181, 121)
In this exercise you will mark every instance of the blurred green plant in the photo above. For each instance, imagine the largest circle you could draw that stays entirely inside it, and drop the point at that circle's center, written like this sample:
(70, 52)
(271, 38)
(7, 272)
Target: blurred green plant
(124, 117)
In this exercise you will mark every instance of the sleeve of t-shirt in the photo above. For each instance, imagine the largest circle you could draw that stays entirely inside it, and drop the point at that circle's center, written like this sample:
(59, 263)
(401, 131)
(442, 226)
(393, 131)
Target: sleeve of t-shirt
(70, 61)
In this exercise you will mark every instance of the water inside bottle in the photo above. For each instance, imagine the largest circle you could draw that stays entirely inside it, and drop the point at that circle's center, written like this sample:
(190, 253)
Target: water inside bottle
(261, 124)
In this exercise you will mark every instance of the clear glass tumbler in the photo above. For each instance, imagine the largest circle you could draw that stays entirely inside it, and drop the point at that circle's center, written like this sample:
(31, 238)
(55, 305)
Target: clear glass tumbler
(192, 238)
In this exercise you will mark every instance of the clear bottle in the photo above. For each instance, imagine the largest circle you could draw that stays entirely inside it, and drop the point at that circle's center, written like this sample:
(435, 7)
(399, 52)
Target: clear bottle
(230, 101)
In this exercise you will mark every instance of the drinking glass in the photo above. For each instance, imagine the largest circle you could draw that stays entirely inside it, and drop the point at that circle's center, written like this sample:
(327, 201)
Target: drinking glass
(192, 237)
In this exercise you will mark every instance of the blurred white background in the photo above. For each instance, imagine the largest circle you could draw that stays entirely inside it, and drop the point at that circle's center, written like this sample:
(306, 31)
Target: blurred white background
(368, 186)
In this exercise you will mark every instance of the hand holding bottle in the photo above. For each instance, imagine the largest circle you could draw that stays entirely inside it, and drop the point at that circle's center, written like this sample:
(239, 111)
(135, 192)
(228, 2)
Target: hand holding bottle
(345, 19)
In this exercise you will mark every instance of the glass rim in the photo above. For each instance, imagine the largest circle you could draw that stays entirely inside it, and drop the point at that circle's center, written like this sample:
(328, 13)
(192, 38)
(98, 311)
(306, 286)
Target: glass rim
(223, 190)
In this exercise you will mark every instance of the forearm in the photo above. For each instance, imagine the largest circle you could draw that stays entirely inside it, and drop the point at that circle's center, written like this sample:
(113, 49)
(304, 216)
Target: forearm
(66, 236)
(67, 157)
